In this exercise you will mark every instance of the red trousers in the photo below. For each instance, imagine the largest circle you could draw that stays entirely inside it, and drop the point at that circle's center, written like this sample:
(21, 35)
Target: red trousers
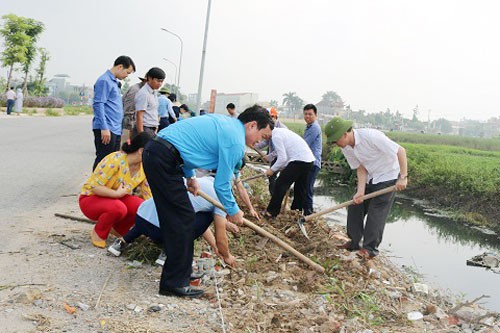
(118, 214)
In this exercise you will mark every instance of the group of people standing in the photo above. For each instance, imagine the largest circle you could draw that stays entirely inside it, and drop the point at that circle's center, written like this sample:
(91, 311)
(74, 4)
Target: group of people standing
(14, 101)
(149, 186)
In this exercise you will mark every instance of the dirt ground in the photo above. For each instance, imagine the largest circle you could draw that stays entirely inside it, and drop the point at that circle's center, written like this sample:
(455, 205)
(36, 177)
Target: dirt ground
(56, 281)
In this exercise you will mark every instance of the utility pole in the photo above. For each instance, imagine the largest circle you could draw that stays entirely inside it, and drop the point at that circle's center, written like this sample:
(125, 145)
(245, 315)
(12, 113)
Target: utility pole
(203, 53)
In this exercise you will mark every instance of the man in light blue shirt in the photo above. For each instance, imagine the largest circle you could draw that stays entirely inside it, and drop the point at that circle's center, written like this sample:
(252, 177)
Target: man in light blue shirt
(147, 223)
(108, 108)
(165, 109)
(314, 139)
(209, 142)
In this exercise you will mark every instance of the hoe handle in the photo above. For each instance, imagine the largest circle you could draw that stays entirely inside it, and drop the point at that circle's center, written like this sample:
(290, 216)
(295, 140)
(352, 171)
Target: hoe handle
(267, 234)
(350, 202)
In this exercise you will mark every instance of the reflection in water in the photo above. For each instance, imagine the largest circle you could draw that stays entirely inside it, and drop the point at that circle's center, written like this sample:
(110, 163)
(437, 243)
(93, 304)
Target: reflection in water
(434, 246)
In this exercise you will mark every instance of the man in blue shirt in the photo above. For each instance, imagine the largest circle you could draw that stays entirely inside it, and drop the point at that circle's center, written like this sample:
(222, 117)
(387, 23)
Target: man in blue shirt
(108, 108)
(210, 142)
(314, 139)
(165, 110)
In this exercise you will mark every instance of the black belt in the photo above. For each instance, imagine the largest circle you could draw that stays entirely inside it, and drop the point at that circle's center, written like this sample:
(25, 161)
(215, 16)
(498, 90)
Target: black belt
(170, 147)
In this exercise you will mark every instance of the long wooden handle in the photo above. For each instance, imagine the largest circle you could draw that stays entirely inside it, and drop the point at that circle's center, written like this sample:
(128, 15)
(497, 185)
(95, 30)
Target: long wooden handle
(261, 154)
(267, 234)
(350, 202)
(254, 177)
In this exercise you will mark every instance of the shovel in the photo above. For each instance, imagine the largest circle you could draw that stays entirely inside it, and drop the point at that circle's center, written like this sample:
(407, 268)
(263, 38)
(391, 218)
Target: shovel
(304, 219)
(254, 177)
(267, 234)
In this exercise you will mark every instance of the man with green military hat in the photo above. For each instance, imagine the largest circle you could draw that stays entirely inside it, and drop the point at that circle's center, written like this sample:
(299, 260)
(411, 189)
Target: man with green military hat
(379, 163)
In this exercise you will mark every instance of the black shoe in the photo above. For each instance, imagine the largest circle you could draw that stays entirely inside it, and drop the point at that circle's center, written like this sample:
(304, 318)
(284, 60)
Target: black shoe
(196, 275)
(182, 292)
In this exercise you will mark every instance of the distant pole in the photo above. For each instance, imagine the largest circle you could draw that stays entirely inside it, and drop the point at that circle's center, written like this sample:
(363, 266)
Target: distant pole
(203, 53)
(180, 57)
(176, 86)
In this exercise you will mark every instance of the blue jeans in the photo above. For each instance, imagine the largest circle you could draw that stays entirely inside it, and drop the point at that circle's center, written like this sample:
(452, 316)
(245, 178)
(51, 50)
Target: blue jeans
(311, 178)
(10, 105)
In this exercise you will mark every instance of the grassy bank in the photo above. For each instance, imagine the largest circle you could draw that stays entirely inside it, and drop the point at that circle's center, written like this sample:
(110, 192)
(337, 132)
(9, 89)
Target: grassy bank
(459, 174)
(465, 181)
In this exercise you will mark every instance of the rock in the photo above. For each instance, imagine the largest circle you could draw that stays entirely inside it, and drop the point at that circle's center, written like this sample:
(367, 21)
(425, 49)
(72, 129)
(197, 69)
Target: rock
(134, 264)
(415, 315)
(420, 288)
(430, 309)
(131, 306)
(38, 302)
(271, 276)
(137, 309)
(470, 313)
(154, 308)
(83, 306)
(28, 296)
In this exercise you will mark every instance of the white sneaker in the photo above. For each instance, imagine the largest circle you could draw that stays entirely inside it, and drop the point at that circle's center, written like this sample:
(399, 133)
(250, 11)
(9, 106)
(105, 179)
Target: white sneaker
(117, 247)
(161, 258)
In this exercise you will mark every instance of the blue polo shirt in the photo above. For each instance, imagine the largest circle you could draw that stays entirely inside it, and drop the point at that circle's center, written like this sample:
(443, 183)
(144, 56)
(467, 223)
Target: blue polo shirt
(210, 142)
(314, 139)
(108, 107)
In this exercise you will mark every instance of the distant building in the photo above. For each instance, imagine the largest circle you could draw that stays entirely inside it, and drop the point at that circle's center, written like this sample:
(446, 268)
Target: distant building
(240, 100)
(60, 87)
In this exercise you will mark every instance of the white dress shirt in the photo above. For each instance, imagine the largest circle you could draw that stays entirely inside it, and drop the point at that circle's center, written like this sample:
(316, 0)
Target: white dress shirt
(289, 147)
(375, 152)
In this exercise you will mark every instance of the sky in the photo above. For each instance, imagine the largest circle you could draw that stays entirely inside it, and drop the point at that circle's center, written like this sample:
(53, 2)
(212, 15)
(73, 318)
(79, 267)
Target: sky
(441, 55)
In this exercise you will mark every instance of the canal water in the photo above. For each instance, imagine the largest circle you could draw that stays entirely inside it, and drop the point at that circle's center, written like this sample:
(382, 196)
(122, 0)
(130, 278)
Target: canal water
(432, 245)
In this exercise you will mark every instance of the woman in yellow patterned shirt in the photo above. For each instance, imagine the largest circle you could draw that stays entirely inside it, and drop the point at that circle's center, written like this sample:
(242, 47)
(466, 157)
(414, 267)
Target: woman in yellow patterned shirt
(115, 190)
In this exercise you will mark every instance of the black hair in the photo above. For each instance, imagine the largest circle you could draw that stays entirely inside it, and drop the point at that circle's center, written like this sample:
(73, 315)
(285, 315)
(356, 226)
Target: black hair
(156, 73)
(172, 97)
(138, 142)
(125, 61)
(259, 114)
(230, 106)
(311, 107)
(185, 107)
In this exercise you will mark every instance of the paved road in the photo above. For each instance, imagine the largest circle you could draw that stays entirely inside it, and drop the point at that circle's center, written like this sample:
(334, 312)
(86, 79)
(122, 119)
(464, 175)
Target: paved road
(42, 158)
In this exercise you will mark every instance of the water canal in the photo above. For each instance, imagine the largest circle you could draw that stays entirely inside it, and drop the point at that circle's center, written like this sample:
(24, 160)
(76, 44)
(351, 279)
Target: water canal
(430, 244)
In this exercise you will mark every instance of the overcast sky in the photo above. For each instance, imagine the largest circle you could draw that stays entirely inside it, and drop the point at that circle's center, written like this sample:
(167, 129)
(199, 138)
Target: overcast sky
(442, 55)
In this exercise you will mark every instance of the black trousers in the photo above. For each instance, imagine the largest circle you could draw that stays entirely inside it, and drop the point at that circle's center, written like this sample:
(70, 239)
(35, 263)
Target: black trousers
(143, 227)
(376, 211)
(175, 212)
(102, 150)
(295, 172)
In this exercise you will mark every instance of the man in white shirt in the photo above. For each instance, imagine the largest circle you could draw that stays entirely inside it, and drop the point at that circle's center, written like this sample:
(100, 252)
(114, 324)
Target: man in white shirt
(379, 163)
(294, 159)
(11, 98)
(146, 102)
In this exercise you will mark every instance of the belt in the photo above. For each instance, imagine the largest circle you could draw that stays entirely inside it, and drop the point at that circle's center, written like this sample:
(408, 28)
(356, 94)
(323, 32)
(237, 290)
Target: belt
(170, 147)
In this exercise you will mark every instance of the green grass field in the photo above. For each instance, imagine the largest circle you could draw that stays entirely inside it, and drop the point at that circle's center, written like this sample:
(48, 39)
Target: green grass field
(75, 110)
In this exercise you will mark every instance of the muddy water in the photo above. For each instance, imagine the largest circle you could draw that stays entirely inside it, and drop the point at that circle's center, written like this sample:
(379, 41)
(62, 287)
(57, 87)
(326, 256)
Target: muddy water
(436, 247)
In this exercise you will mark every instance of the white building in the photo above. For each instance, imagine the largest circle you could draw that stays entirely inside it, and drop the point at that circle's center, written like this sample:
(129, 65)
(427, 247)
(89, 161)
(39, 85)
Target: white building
(240, 100)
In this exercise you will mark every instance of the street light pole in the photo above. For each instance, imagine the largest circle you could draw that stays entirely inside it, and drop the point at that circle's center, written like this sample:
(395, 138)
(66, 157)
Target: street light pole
(200, 82)
(180, 57)
(176, 86)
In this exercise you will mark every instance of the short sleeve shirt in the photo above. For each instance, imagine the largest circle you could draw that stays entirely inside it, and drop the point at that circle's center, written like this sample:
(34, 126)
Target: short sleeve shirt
(114, 170)
(375, 152)
(147, 99)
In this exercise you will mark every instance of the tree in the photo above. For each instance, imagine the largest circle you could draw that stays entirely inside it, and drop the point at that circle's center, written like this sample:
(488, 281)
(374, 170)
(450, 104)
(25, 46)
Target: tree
(16, 42)
(444, 125)
(331, 97)
(415, 114)
(33, 30)
(274, 103)
(40, 89)
(293, 102)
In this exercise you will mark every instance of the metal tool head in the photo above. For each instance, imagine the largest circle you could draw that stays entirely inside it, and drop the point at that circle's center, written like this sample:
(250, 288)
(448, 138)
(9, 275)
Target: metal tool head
(300, 222)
